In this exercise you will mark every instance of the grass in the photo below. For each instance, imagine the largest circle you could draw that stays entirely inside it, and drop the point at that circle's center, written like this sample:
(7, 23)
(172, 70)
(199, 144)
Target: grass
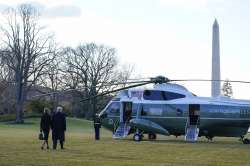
(19, 146)
(12, 117)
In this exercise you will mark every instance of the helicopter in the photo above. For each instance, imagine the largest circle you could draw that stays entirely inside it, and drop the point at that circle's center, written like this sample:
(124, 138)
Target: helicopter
(170, 109)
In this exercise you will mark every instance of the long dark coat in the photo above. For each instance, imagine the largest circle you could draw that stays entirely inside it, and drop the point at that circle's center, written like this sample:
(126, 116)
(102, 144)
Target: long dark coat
(45, 122)
(58, 126)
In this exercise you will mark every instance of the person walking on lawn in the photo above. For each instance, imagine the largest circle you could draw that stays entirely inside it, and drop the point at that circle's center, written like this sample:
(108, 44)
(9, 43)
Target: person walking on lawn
(58, 127)
(45, 125)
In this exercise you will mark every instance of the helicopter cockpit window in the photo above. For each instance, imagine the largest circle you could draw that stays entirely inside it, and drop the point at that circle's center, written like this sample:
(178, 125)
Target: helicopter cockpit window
(114, 107)
(172, 95)
(152, 95)
(161, 95)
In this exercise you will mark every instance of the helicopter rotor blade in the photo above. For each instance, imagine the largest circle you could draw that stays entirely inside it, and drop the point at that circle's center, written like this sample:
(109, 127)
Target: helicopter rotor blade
(116, 90)
(138, 82)
(122, 83)
(157, 80)
(206, 80)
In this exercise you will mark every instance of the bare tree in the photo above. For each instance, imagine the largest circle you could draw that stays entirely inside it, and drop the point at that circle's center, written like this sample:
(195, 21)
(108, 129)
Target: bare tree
(95, 67)
(5, 75)
(124, 73)
(26, 50)
(53, 79)
(6, 84)
(72, 82)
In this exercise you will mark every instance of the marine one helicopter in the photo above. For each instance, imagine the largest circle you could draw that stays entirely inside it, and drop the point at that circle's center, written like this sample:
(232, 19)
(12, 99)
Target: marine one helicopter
(170, 109)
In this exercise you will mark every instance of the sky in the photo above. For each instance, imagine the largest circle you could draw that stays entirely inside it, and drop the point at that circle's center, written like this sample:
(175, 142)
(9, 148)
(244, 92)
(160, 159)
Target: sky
(158, 37)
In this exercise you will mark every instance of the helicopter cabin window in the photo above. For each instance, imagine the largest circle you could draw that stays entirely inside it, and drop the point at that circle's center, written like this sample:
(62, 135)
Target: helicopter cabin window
(151, 110)
(161, 95)
(114, 107)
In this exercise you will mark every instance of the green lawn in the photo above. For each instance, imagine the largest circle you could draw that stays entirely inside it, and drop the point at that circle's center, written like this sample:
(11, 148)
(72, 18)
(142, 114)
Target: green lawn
(19, 146)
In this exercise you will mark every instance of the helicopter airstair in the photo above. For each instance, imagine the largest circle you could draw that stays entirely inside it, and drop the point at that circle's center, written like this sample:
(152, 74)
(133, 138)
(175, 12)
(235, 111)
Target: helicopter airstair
(192, 124)
(122, 131)
(192, 132)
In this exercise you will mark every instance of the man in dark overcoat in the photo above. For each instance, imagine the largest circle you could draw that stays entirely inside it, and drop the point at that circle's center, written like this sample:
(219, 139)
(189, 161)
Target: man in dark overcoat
(58, 126)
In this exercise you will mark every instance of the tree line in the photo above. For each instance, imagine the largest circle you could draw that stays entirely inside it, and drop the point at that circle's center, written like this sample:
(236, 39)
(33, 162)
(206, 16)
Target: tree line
(30, 58)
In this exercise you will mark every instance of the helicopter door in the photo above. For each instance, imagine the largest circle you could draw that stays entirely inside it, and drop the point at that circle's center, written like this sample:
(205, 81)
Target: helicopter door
(194, 114)
(125, 115)
(127, 111)
(193, 122)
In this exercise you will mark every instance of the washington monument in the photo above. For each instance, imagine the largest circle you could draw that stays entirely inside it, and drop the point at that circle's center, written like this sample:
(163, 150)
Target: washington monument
(215, 90)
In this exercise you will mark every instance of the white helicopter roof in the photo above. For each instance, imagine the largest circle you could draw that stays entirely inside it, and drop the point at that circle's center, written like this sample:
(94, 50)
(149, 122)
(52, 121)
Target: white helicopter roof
(137, 94)
(169, 87)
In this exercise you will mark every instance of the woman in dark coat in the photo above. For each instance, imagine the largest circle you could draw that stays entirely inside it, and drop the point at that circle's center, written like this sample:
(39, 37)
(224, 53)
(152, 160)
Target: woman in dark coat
(45, 126)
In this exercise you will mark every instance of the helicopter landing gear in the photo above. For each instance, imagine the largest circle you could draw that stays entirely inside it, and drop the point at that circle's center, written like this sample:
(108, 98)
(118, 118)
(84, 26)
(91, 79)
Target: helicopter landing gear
(244, 140)
(241, 138)
(209, 138)
(138, 136)
(152, 136)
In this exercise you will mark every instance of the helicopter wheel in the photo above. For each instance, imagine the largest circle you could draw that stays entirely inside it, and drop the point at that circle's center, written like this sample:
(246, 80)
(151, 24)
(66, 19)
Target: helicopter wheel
(137, 137)
(246, 141)
(152, 136)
